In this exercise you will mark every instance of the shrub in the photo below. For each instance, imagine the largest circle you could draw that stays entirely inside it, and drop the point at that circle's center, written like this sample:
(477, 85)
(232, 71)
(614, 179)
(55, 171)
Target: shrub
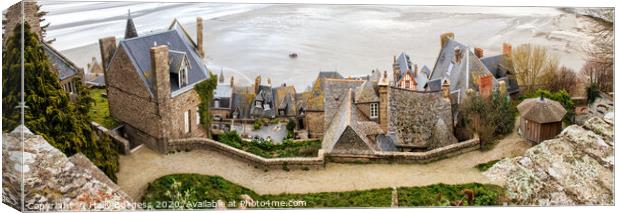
(264, 148)
(592, 93)
(490, 118)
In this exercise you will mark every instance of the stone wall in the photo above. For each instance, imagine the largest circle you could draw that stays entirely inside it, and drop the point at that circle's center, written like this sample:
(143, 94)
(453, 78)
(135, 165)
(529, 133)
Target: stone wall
(407, 157)
(319, 161)
(123, 144)
(415, 114)
(258, 161)
(53, 181)
(315, 123)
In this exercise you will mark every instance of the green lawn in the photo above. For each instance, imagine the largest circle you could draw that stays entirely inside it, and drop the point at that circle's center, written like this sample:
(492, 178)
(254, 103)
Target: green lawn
(266, 149)
(99, 112)
(186, 190)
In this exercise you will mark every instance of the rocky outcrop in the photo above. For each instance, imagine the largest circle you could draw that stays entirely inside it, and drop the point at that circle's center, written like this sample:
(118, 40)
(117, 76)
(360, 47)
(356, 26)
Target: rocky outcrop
(53, 181)
(575, 168)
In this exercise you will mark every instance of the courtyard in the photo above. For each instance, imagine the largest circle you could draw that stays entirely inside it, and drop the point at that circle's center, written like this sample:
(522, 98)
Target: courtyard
(145, 165)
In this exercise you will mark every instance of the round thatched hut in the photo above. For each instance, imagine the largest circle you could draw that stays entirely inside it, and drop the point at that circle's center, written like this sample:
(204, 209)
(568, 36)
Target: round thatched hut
(541, 118)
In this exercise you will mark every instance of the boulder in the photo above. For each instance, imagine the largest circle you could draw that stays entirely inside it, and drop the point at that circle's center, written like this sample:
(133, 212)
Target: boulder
(52, 181)
(575, 168)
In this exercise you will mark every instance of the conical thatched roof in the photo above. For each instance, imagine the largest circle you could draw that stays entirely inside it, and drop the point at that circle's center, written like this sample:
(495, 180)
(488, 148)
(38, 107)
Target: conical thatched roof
(541, 110)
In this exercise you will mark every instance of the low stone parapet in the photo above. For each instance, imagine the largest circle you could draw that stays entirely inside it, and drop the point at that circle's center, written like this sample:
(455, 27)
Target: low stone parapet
(258, 161)
(407, 157)
(319, 161)
(122, 143)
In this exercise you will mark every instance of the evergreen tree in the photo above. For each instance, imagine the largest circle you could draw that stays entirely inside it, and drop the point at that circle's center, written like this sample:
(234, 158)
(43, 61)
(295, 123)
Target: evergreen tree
(50, 112)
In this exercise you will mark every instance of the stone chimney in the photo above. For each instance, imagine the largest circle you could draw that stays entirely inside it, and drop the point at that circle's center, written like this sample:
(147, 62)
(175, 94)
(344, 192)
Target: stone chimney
(199, 38)
(507, 49)
(415, 70)
(257, 83)
(445, 89)
(232, 81)
(445, 37)
(269, 81)
(383, 104)
(107, 47)
(479, 52)
(161, 72)
(13, 18)
(485, 84)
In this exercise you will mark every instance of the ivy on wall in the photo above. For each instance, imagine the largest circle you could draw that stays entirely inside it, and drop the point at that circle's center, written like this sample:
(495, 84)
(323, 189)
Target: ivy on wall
(205, 90)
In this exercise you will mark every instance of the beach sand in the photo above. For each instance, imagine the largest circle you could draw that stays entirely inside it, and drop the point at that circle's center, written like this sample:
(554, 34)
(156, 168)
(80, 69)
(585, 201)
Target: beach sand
(248, 40)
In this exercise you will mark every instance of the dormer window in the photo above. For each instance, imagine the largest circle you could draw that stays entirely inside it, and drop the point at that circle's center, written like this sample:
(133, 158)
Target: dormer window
(258, 104)
(183, 76)
(267, 107)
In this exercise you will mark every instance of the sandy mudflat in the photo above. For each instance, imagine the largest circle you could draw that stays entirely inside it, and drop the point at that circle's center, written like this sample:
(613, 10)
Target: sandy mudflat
(247, 40)
(144, 166)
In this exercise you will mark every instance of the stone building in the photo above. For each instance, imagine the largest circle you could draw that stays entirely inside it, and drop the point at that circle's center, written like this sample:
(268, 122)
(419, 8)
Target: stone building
(401, 119)
(263, 104)
(541, 118)
(310, 105)
(221, 107)
(501, 67)
(458, 67)
(407, 76)
(149, 81)
(93, 77)
(68, 73)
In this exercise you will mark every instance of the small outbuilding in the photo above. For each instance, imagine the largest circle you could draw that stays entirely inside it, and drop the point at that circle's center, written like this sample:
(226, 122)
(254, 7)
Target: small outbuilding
(541, 118)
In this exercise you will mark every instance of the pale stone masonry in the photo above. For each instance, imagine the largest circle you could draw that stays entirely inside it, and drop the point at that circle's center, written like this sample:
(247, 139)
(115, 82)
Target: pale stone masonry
(54, 181)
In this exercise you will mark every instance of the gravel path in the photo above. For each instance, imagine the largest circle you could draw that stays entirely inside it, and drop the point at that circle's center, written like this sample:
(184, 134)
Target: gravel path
(145, 165)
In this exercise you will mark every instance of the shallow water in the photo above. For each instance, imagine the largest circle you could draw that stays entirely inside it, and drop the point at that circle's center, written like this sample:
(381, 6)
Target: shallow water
(250, 39)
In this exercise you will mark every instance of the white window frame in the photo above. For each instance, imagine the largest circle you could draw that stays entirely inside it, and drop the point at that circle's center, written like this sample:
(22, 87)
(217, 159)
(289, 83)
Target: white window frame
(258, 104)
(186, 121)
(374, 110)
(216, 103)
(266, 106)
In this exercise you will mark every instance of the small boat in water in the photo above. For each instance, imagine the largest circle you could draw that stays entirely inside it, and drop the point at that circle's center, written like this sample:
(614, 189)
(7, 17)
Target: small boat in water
(292, 55)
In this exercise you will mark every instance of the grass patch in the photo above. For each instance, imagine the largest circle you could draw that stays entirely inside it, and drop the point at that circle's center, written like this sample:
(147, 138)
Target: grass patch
(266, 149)
(184, 189)
(446, 195)
(99, 111)
(486, 166)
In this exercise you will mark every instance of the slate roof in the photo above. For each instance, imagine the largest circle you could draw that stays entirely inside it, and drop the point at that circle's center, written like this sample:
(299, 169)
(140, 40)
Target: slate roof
(366, 93)
(446, 67)
(241, 105)
(349, 118)
(502, 70)
(541, 110)
(314, 99)
(138, 50)
(285, 99)
(98, 81)
(334, 92)
(130, 27)
(63, 66)
(404, 64)
(265, 95)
